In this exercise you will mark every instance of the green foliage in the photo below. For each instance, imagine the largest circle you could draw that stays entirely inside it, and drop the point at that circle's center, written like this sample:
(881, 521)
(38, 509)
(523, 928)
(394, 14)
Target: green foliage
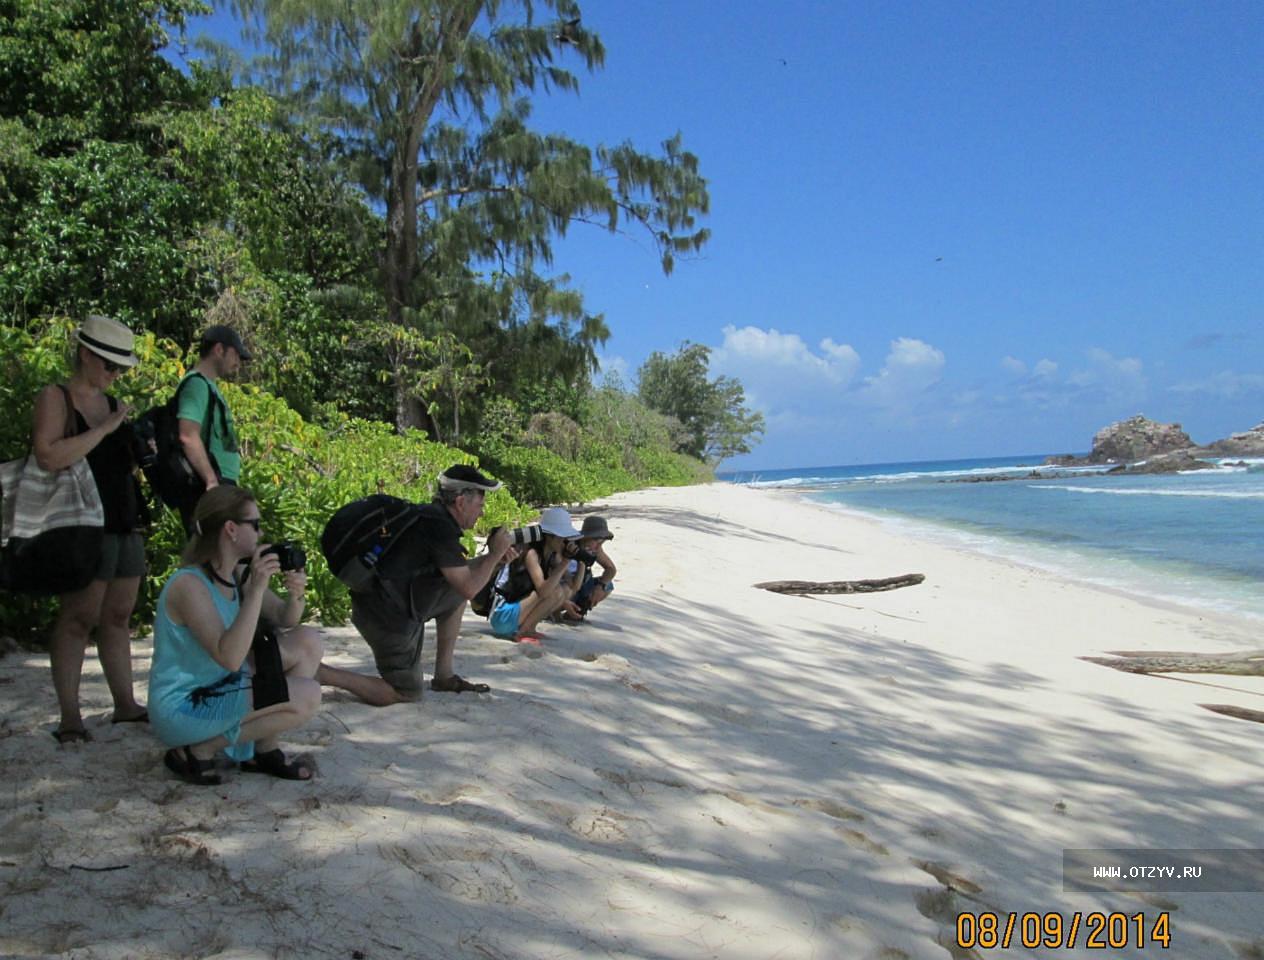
(713, 412)
(300, 472)
(473, 202)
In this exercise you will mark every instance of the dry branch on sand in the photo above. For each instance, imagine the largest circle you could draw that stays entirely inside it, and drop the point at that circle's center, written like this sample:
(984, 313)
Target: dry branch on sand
(803, 587)
(1250, 664)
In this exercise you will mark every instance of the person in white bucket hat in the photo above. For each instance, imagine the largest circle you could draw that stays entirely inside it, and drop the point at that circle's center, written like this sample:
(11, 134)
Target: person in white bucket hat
(540, 581)
(72, 421)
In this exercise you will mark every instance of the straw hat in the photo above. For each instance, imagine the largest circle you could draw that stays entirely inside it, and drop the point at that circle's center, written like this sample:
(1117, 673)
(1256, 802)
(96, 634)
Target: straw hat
(108, 339)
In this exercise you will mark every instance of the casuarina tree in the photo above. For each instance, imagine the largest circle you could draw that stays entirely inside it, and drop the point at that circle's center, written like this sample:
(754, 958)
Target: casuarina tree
(429, 100)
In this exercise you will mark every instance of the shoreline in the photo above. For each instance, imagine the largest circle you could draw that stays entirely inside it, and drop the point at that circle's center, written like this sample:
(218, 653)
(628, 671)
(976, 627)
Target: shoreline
(705, 769)
(1061, 561)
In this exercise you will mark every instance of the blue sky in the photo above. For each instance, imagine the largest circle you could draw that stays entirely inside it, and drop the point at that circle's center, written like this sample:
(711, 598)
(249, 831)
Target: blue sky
(942, 229)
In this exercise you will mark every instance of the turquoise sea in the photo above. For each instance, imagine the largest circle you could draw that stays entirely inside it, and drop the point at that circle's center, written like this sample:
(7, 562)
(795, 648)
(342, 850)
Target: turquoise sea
(1192, 538)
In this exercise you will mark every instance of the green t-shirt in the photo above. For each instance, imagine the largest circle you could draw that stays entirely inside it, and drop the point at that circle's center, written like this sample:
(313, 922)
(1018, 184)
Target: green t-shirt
(194, 400)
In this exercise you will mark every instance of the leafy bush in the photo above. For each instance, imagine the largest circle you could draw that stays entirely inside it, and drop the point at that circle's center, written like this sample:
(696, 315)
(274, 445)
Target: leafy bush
(299, 472)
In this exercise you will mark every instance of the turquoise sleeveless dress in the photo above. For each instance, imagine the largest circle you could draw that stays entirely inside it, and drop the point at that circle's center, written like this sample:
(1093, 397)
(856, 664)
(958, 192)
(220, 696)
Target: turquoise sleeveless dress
(191, 697)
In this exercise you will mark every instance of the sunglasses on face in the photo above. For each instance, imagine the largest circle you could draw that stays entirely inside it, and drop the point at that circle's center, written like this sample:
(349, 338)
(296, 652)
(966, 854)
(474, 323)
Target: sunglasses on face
(251, 522)
(111, 366)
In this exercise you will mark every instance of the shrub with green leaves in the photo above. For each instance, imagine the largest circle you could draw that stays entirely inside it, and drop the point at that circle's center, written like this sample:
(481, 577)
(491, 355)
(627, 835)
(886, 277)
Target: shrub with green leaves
(301, 473)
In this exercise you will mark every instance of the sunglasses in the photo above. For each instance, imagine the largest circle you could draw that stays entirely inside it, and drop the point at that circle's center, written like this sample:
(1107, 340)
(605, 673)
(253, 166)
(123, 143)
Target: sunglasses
(251, 522)
(111, 366)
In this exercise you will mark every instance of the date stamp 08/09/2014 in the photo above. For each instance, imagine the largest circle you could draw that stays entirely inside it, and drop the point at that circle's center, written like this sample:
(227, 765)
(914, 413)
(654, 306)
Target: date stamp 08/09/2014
(1053, 930)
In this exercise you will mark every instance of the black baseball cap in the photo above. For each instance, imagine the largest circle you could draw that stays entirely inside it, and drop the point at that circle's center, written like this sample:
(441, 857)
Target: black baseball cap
(228, 337)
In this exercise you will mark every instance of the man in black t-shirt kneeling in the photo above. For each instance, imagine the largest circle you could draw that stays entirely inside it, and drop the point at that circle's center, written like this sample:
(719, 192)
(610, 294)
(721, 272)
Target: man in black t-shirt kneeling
(425, 576)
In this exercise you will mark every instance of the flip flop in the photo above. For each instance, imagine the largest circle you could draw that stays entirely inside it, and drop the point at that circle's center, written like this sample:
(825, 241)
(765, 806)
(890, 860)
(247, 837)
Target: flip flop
(273, 763)
(458, 684)
(142, 717)
(72, 736)
(182, 762)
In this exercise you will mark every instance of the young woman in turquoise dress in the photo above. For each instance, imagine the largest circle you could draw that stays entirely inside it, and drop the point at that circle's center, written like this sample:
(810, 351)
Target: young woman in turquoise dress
(201, 689)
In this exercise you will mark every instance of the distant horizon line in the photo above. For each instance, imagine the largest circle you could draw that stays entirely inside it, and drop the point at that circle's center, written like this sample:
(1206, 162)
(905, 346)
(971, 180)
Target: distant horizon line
(891, 463)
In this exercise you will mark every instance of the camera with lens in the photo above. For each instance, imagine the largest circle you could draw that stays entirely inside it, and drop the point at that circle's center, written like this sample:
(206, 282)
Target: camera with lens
(586, 557)
(527, 535)
(291, 555)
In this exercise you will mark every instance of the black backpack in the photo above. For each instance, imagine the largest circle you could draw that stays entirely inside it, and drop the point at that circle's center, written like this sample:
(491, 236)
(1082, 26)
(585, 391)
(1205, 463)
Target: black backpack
(357, 537)
(170, 475)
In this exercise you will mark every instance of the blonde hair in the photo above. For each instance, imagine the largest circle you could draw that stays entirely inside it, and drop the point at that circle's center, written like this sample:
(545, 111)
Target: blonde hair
(216, 507)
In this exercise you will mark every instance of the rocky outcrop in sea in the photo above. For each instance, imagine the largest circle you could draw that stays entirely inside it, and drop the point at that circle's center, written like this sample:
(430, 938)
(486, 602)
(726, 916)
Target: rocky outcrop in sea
(1140, 445)
(1248, 444)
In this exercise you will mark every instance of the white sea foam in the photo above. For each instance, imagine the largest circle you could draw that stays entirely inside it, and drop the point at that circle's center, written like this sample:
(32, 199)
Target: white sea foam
(1084, 564)
(1142, 492)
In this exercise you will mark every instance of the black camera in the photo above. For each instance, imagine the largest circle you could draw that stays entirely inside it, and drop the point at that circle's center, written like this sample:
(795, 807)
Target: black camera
(525, 535)
(586, 557)
(291, 555)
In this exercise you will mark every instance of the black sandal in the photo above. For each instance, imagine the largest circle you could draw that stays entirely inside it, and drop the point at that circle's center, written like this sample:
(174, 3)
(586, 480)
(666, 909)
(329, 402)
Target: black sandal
(273, 763)
(182, 762)
(78, 735)
(457, 684)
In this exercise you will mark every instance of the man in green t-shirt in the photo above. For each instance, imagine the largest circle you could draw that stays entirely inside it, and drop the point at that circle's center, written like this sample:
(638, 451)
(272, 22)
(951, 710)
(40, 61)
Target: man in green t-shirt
(217, 460)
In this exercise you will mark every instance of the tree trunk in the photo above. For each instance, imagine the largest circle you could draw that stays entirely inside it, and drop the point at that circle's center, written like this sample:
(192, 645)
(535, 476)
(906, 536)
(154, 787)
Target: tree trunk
(1249, 664)
(802, 587)
(411, 117)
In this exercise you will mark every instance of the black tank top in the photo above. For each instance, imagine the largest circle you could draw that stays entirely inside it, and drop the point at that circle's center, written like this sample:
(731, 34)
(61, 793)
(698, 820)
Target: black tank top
(112, 465)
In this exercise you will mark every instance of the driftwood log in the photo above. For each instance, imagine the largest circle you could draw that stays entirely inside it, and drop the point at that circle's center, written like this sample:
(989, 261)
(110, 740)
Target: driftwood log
(803, 587)
(1249, 664)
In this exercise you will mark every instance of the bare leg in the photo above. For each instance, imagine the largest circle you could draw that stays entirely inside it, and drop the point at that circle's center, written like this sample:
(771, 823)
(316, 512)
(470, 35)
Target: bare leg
(374, 691)
(114, 645)
(597, 596)
(447, 629)
(75, 621)
(541, 605)
(301, 650)
(263, 726)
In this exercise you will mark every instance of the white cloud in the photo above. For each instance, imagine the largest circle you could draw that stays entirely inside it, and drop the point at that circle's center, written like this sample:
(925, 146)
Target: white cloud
(912, 366)
(1225, 385)
(787, 351)
(1014, 366)
(1108, 377)
(1044, 370)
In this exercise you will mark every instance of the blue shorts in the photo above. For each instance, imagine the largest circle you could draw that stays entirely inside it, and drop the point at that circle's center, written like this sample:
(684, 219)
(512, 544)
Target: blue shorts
(504, 617)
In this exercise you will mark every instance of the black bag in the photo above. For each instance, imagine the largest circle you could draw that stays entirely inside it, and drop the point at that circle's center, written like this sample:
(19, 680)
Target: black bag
(357, 537)
(52, 523)
(170, 475)
(268, 684)
(481, 602)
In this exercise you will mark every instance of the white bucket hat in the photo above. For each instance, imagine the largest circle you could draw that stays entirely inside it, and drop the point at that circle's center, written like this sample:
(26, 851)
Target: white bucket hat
(557, 521)
(108, 339)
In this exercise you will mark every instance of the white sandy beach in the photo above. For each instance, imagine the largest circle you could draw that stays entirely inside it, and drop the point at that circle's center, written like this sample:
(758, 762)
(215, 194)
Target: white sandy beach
(705, 770)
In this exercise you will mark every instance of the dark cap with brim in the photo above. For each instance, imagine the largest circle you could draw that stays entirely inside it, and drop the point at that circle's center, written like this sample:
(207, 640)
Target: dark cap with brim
(228, 337)
(595, 528)
(463, 477)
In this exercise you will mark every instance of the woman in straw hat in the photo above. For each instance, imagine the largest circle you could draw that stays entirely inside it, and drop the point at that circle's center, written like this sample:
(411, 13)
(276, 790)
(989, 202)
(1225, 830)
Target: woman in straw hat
(103, 351)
